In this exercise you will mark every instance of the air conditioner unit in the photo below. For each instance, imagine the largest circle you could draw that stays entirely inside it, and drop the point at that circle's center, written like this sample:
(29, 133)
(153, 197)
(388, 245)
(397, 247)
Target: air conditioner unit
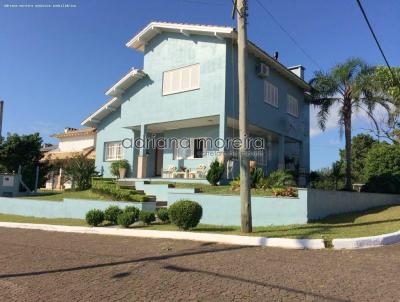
(262, 70)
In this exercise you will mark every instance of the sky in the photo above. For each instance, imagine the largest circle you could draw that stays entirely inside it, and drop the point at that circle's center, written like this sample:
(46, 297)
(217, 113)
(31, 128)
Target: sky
(57, 63)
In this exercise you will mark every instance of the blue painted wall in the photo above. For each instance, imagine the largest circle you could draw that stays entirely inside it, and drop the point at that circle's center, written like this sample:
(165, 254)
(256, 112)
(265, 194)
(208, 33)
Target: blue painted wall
(69, 208)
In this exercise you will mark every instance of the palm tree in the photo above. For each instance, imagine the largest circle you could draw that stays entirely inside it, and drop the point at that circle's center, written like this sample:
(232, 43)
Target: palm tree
(349, 84)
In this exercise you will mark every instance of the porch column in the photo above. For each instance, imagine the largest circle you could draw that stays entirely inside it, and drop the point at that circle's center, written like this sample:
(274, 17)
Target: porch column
(281, 152)
(142, 157)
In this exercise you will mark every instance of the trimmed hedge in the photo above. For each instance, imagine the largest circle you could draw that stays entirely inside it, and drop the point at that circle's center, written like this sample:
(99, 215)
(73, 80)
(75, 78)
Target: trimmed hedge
(125, 219)
(185, 214)
(110, 188)
(163, 215)
(94, 217)
(147, 217)
(111, 214)
(133, 210)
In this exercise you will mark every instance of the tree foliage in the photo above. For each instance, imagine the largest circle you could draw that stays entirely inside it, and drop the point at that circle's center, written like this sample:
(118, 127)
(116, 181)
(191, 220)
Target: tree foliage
(80, 170)
(360, 146)
(383, 159)
(25, 151)
(351, 86)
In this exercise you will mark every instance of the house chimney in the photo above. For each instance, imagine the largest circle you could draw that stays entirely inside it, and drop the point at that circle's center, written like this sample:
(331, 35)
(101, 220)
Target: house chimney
(298, 70)
(276, 55)
(69, 129)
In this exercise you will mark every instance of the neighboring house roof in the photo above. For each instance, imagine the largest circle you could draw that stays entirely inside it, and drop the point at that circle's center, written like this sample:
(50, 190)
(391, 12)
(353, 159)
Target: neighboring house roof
(52, 155)
(139, 41)
(75, 132)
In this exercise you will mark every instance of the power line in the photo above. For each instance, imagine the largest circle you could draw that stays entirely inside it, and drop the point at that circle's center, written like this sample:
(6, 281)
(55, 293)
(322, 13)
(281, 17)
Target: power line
(376, 40)
(288, 34)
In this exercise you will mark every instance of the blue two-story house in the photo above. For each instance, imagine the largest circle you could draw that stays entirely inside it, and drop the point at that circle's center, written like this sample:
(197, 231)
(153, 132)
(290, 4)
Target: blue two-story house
(188, 89)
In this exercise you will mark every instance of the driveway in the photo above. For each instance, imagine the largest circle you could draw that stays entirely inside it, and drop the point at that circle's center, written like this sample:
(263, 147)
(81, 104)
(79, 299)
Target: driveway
(46, 266)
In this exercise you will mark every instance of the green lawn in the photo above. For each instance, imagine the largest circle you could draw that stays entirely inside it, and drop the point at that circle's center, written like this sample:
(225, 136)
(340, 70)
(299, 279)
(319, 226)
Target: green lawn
(60, 195)
(373, 222)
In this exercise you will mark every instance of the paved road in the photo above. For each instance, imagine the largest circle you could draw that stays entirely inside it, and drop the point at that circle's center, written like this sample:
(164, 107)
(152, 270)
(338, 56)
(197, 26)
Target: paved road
(45, 266)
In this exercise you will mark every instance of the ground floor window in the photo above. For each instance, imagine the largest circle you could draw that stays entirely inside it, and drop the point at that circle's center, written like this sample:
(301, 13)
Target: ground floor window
(113, 151)
(189, 148)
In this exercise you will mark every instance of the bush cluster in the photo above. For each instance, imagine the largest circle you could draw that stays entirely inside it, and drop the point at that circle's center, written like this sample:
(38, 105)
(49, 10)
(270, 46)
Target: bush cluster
(277, 179)
(163, 215)
(111, 214)
(147, 217)
(94, 217)
(108, 187)
(126, 218)
(185, 214)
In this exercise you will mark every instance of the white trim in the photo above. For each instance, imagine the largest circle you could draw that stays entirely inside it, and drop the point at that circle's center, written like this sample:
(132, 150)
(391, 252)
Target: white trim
(127, 81)
(194, 236)
(111, 105)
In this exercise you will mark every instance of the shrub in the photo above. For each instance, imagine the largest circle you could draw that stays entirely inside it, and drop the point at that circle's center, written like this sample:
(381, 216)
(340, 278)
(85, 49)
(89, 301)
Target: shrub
(215, 172)
(185, 214)
(385, 183)
(125, 219)
(279, 179)
(256, 176)
(285, 192)
(133, 210)
(111, 214)
(110, 188)
(94, 217)
(162, 214)
(147, 217)
(118, 164)
(80, 170)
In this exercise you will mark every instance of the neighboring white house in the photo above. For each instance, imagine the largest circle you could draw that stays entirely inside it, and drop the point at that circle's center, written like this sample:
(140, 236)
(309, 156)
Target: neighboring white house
(72, 142)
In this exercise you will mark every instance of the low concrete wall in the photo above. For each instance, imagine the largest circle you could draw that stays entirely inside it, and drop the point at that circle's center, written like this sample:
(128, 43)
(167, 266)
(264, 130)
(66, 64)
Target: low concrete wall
(225, 209)
(69, 208)
(321, 204)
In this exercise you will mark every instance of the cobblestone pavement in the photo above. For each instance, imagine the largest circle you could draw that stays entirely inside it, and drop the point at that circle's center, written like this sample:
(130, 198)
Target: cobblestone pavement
(45, 266)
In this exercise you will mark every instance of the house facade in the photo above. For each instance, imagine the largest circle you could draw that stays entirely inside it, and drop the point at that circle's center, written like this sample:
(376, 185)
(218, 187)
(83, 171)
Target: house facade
(188, 91)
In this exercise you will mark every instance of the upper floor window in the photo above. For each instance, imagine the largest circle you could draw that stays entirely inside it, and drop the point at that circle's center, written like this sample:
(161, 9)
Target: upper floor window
(181, 79)
(271, 94)
(292, 105)
(113, 151)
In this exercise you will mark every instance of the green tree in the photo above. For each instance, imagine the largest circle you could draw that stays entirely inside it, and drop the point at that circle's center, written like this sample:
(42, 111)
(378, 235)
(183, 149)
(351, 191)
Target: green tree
(349, 85)
(336, 173)
(389, 89)
(383, 159)
(80, 170)
(360, 146)
(25, 151)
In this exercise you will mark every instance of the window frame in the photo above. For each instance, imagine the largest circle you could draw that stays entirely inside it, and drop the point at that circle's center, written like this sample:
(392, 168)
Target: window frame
(289, 99)
(266, 94)
(176, 153)
(106, 151)
(171, 79)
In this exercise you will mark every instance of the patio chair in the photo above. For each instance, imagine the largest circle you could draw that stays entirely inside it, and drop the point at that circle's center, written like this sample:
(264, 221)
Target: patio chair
(170, 171)
(199, 172)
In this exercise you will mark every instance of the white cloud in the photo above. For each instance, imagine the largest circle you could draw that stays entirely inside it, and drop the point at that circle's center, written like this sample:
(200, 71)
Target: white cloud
(360, 120)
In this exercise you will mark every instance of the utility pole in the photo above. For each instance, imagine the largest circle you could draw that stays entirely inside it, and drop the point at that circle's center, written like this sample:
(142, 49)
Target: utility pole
(245, 198)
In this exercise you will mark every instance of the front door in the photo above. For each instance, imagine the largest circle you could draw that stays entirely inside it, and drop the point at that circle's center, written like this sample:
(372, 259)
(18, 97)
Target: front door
(159, 162)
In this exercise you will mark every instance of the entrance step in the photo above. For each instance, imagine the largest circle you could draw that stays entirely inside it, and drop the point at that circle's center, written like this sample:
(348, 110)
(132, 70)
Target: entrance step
(128, 184)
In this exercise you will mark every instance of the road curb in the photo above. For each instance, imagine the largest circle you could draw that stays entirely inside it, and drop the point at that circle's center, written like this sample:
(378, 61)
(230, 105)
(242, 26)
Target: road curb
(194, 236)
(366, 242)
